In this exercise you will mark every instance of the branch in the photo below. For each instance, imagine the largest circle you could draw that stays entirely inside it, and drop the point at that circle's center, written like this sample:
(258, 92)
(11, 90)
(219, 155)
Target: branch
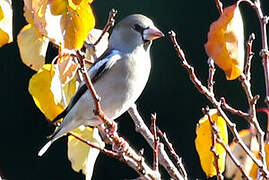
(103, 150)
(156, 143)
(215, 135)
(110, 23)
(264, 53)
(219, 6)
(250, 54)
(145, 132)
(212, 70)
(233, 110)
(179, 163)
(210, 96)
(233, 158)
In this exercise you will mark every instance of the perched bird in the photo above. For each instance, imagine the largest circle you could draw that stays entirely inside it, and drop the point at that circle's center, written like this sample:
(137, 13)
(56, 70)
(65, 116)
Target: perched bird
(119, 76)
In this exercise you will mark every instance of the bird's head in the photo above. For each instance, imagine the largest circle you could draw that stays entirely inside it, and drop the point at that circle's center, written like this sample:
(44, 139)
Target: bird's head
(133, 32)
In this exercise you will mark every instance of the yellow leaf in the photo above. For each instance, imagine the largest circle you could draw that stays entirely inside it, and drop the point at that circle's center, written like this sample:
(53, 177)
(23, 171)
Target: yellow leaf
(1, 14)
(247, 164)
(254, 170)
(68, 22)
(58, 7)
(77, 24)
(203, 143)
(32, 47)
(39, 88)
(81, 155)
(226, 42)
(49, 94)
(6, 35)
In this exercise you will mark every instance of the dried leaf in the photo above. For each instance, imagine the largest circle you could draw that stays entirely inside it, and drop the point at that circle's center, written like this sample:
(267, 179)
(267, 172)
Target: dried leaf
(203, 143)
(32, 47)
(81, 155)
(6, 35)
(226, 42)
(65, 22)
(231, 169)
(67, 69)
(93, 54)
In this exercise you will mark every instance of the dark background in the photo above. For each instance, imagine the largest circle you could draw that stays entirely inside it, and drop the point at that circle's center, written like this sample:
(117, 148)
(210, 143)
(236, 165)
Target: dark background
(23, 128)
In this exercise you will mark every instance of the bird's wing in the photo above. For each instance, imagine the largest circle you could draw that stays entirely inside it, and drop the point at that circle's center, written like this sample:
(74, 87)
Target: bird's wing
(104, 63)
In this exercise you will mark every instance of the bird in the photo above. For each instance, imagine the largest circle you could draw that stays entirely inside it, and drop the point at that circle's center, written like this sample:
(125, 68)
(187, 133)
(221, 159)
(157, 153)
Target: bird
(118, 76)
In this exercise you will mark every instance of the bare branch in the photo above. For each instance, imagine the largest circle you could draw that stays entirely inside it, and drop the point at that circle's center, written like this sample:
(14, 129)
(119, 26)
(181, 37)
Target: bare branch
(233, 158)
(215, 133)
(233, 110)
(211, 73)
(203, 90)
(156, 143)
(145, 132)
(219, 6)
(110, 23)
(103, 150)
(250, 54)
(169, 145)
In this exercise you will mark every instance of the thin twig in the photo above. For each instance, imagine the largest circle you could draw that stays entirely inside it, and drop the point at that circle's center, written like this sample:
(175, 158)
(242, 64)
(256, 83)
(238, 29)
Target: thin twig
(110, 23)
(103, 150)
(219, 6)
(145, 132)
(156, 143)
(265, 110)
(215, 133)
(203, 90)
(211, 73)
(233, 110)
(169, 145)
(250, 54)
(253, 117)
(233, 158)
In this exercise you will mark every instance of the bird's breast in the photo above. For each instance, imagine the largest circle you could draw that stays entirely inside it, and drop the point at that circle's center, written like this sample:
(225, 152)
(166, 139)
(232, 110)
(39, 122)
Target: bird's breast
(122, 85)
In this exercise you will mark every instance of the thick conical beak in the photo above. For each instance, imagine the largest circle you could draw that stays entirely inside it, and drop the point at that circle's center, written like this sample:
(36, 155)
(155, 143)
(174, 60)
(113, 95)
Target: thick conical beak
(152, 33)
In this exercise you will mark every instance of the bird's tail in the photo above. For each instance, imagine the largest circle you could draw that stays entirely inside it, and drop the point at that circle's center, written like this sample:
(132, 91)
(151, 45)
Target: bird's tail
(44, 148)
(51, 139)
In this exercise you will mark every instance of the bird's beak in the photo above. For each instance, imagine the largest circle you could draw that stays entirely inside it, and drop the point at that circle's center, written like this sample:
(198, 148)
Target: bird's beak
(152, 33)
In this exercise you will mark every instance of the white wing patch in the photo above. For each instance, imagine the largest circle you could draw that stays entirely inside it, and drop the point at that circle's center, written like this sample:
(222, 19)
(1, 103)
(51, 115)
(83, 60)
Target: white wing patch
(104, 64)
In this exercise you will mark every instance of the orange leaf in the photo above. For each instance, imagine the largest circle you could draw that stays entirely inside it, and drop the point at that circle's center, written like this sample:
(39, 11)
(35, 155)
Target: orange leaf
(226, 42)
(203, 143)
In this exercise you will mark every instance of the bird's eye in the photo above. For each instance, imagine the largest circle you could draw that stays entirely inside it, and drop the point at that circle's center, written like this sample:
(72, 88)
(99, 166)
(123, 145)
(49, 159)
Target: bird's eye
(138, 28)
